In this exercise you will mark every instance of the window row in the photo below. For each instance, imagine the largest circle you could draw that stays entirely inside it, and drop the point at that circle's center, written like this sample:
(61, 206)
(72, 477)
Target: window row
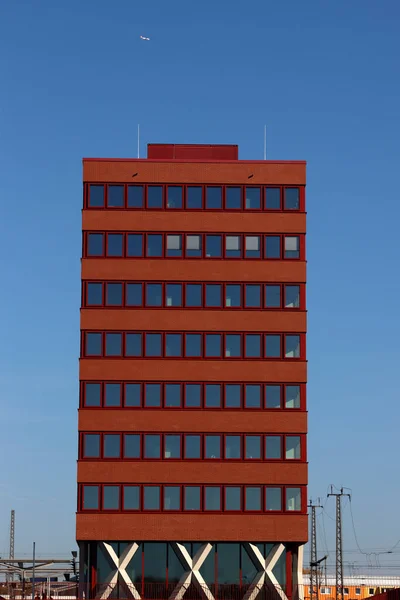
(194, 197)
(191, 446)
(113, 344)
(193, 295)
(192, 245)
(194, 498)
(251, 396)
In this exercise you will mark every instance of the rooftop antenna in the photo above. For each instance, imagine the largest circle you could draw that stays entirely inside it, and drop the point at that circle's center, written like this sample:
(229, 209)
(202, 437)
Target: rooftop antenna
(265, 142)
(138, 141)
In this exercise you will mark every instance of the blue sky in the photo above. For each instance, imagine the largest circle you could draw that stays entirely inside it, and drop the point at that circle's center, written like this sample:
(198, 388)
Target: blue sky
(75, 81)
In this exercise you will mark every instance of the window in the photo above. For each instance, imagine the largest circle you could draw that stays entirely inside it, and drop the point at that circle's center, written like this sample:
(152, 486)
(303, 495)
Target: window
(153, 294)
(115, 196)
(95, 244)
(273, 296)
(92, 394)
(134, 294)
(253, 198)
(193, 295)
(293, 499)
(153, 395)
(272, 198)
(153, 344)
(193, 344)
(91, 445)
(212, 446)
(94, 294)
(233, 246)
(292, 198)
(112, 394)
(273, 449)
(93, 344)
(252, 396)
(193, 246)
(192, 446)
(371, 591)
(293, 451)
(174, 245)
(133, 394)
(292, 346)
(114, 294)
(346, 590)
(213, 246)
(111, 497)
(173, 294)
(152, 446)
(358, 591)
(273, 346)
(154, 245)
(91, 497)
(192, 497)
(233, 295)
(326, 590)
(213, 345)
(272, 246)
(233, 498)
(132, 445)
(172, 395)
(252, 345)
(135, 244)
(292, 296)
(192, 395)
(112, 445)
(292, 396)
(135, 196)
(252, 296)
(172, 446)
(292, 246)
(154, 196)
(131, 497)
(232, 396)
(174, 196)
(233, 199)
(173, 344)
(133, 344)
(172, 497)
(151, 497)
(194, 197)
(252, 447)
(252, 246)
(113, 344)
(233, 447)
(273, 498)
(212, 395)
(272, 396)
(212, 498)
(252, 498)
(213, 295)
(115, 244)
(213, 197)
(96, 196)
(233, 345)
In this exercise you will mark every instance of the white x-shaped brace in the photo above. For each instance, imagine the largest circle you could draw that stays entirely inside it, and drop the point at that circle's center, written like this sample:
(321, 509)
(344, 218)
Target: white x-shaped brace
(265, 565)
(192, 573)
(120, 563)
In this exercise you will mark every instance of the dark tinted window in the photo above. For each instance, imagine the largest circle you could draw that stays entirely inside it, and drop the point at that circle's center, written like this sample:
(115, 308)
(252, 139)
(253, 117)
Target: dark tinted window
(132, 394)
(272, 396)
(114, 294)
(232, 295)
(91, 445)
(292, 199)
(153, 394)
(212, 395)
(193, 294)
(272, 198)
(152, 446)
(91, 497)
(132, 445)
(273, 499)
(233, 198)
(233, 446)
(115, 244)
(115, 196)
(193, 344)
(93, 344)
(151, 497)
(192, 446)
(213, 295)
(194, 197)
(95, 244)
(252, 296)
(172, 446)
(112, 445)
(192, 498)
(253, 498)
(253, 198)
(96, 196)
(233, 498)
(193, 395)
(153, 344)
(213, 345)
(94, 296)
(135, 244)
(154, 245)
(213, 197)
(153, 294)
(213, 246)
(92, 394)
(272, 246)
(112, 394)
(173, 344)
(133, 344)
(273, 346)
(232, 395)
(134, 294)
(111, 497)
(154, 196)
(292, 296)
(135, 196)
(273, 296)
(253, 447)
(252, 345)
(174, 196)
(131, 497)
(173, 294)
(212, 446)
(292, 346)
(292, 399)
(252, 396)
(212, 498)
(233, 345)
(172, 497)
(113, 344)
(172, 395)
(273, 446)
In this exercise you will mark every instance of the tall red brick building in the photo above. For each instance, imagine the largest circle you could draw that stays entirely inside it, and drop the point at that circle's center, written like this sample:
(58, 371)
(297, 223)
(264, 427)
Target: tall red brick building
(192, 467)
